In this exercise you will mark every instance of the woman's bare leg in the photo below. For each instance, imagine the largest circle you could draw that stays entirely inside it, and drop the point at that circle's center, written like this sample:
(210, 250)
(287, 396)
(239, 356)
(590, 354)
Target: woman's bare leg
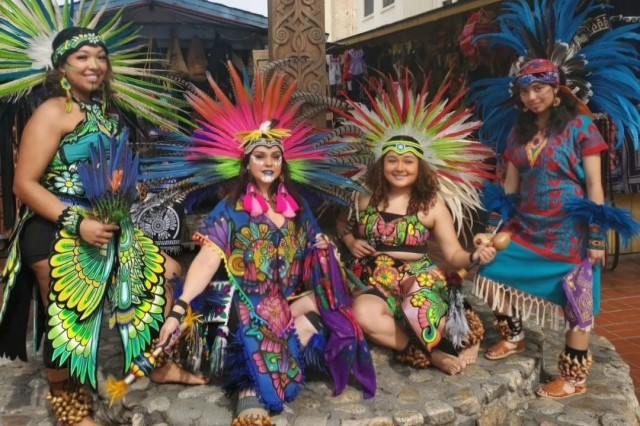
(299, 309)
(172, 372)
(57, 378)
(447, 363)
(378, 323)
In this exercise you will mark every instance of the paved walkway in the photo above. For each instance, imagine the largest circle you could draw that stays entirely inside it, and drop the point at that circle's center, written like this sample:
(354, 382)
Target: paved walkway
(619, 319)
(487, 393)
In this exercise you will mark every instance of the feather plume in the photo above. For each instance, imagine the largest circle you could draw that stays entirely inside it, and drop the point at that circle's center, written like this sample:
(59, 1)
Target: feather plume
(599, 70)
(27, 30)
(324, 160)
(496, 200)
(443, 130)
(608, 217)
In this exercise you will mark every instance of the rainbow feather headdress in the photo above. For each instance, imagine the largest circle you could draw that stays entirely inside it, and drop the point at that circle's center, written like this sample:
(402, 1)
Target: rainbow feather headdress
(437, 131)
(599, 71)
(27, 29)
(265, 113)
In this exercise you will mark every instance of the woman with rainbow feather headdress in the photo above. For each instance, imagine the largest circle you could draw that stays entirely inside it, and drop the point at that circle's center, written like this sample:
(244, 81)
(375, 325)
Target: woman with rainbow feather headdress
(265, 234)
(551, 199)
(426, 172)
(74, 237)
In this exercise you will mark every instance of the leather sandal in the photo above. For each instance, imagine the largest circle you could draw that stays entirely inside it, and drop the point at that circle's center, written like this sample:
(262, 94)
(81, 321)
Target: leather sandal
(557, 390)
(502, 350)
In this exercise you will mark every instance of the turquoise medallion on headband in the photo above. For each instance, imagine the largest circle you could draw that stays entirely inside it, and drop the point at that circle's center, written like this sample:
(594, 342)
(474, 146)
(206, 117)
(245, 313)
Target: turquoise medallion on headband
(402, 145)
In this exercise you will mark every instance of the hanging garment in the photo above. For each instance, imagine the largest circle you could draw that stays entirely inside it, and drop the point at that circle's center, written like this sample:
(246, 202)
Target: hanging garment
(197, 60)
(177, 65)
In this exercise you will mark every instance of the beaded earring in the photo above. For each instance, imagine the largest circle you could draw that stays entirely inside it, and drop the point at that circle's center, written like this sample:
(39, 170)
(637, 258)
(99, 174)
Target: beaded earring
(66, 86)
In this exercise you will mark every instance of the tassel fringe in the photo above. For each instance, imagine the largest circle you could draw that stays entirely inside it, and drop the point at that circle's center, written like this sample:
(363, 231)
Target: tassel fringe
(526, 306)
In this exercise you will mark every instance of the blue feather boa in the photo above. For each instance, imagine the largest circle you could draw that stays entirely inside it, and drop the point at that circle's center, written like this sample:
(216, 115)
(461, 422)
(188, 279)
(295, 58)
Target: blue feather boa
(496, 200)
(313, 353)
(236, 376)
(608, 217)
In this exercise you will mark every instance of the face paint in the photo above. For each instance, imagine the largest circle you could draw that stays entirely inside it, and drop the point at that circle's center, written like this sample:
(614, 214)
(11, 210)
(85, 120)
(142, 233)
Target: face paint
(265, 163)
(86, 70)
(256, 160)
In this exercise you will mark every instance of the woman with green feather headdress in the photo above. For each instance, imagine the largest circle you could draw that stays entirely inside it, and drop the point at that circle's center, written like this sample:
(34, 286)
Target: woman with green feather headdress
(76, 177)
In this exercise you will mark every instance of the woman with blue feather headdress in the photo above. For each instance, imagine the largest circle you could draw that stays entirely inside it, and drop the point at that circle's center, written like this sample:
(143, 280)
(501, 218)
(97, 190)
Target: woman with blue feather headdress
(539, 119)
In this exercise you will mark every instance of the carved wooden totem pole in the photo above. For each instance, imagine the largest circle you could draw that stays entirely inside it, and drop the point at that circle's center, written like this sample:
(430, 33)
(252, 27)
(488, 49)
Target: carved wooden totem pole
(296, 31)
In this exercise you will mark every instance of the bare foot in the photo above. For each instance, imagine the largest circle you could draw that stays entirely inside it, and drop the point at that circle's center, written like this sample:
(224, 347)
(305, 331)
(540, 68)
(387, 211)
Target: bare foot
(470, 354)
(173, 373)
(446, 363)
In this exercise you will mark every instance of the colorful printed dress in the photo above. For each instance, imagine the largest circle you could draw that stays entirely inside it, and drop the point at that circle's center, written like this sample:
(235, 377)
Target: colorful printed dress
(545, 243)
(128, 272)
(395, 279)
(62, 179)
(267, 265)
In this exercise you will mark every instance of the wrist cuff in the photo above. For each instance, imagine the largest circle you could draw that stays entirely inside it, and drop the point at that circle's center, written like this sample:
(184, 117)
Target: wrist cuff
(174, 314)
(70, 220)
(181, 303)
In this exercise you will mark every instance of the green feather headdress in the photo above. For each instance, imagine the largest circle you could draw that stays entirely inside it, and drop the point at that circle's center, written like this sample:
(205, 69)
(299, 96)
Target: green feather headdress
(27, 29)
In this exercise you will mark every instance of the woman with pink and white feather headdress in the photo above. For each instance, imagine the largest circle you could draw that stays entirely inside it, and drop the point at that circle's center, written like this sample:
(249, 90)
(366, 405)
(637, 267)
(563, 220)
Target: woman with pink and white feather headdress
(269, 241)
(427, 174)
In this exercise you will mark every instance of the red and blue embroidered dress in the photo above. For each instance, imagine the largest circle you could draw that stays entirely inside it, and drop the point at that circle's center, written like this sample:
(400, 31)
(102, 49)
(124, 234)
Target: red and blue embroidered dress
(546, 244)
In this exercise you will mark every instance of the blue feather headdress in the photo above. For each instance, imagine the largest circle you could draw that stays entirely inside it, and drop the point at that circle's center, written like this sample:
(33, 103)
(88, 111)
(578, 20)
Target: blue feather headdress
(598, 71)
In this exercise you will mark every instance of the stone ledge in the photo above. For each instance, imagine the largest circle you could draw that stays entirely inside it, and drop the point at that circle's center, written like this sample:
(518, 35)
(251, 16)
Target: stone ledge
(487, 393)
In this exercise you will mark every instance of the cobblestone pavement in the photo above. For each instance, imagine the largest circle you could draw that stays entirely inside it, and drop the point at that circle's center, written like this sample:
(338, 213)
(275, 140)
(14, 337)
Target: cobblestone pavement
(486, 393)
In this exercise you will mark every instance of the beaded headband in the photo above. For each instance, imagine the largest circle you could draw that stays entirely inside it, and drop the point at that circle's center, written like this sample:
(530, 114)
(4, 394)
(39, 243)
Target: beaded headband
(76, 42)
(265, 136)
(403, 145)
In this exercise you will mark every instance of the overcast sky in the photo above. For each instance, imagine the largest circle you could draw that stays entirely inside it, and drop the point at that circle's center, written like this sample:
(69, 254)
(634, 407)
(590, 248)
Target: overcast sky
(255, 6)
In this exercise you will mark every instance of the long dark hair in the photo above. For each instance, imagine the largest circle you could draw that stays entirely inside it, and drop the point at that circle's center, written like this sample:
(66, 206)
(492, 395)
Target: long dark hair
(52, 80)
(423, 192)
(236, 191)
(526, 127)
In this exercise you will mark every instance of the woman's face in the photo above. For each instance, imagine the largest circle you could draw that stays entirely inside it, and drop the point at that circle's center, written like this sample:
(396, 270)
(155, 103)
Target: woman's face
(86, 69)
(401, 170)
(538, 97)
(265, 164)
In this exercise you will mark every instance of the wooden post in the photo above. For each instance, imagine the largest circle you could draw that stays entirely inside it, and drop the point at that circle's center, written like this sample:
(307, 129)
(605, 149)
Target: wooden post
(296, 30)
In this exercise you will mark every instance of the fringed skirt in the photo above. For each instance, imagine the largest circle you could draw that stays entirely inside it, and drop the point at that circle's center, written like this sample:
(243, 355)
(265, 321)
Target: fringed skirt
(533, 282)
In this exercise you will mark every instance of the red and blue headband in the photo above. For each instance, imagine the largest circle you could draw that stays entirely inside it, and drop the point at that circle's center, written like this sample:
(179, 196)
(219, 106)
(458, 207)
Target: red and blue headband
(538, 71)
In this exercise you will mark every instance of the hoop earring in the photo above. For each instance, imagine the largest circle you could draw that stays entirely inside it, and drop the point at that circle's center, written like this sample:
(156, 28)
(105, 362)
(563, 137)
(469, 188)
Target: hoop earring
(66, 86)
(556, 102)
(525, 109)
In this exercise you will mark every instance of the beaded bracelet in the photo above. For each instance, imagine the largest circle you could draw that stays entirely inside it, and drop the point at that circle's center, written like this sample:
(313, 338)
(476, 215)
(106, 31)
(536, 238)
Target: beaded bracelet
(70, 220)
(596, 237)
